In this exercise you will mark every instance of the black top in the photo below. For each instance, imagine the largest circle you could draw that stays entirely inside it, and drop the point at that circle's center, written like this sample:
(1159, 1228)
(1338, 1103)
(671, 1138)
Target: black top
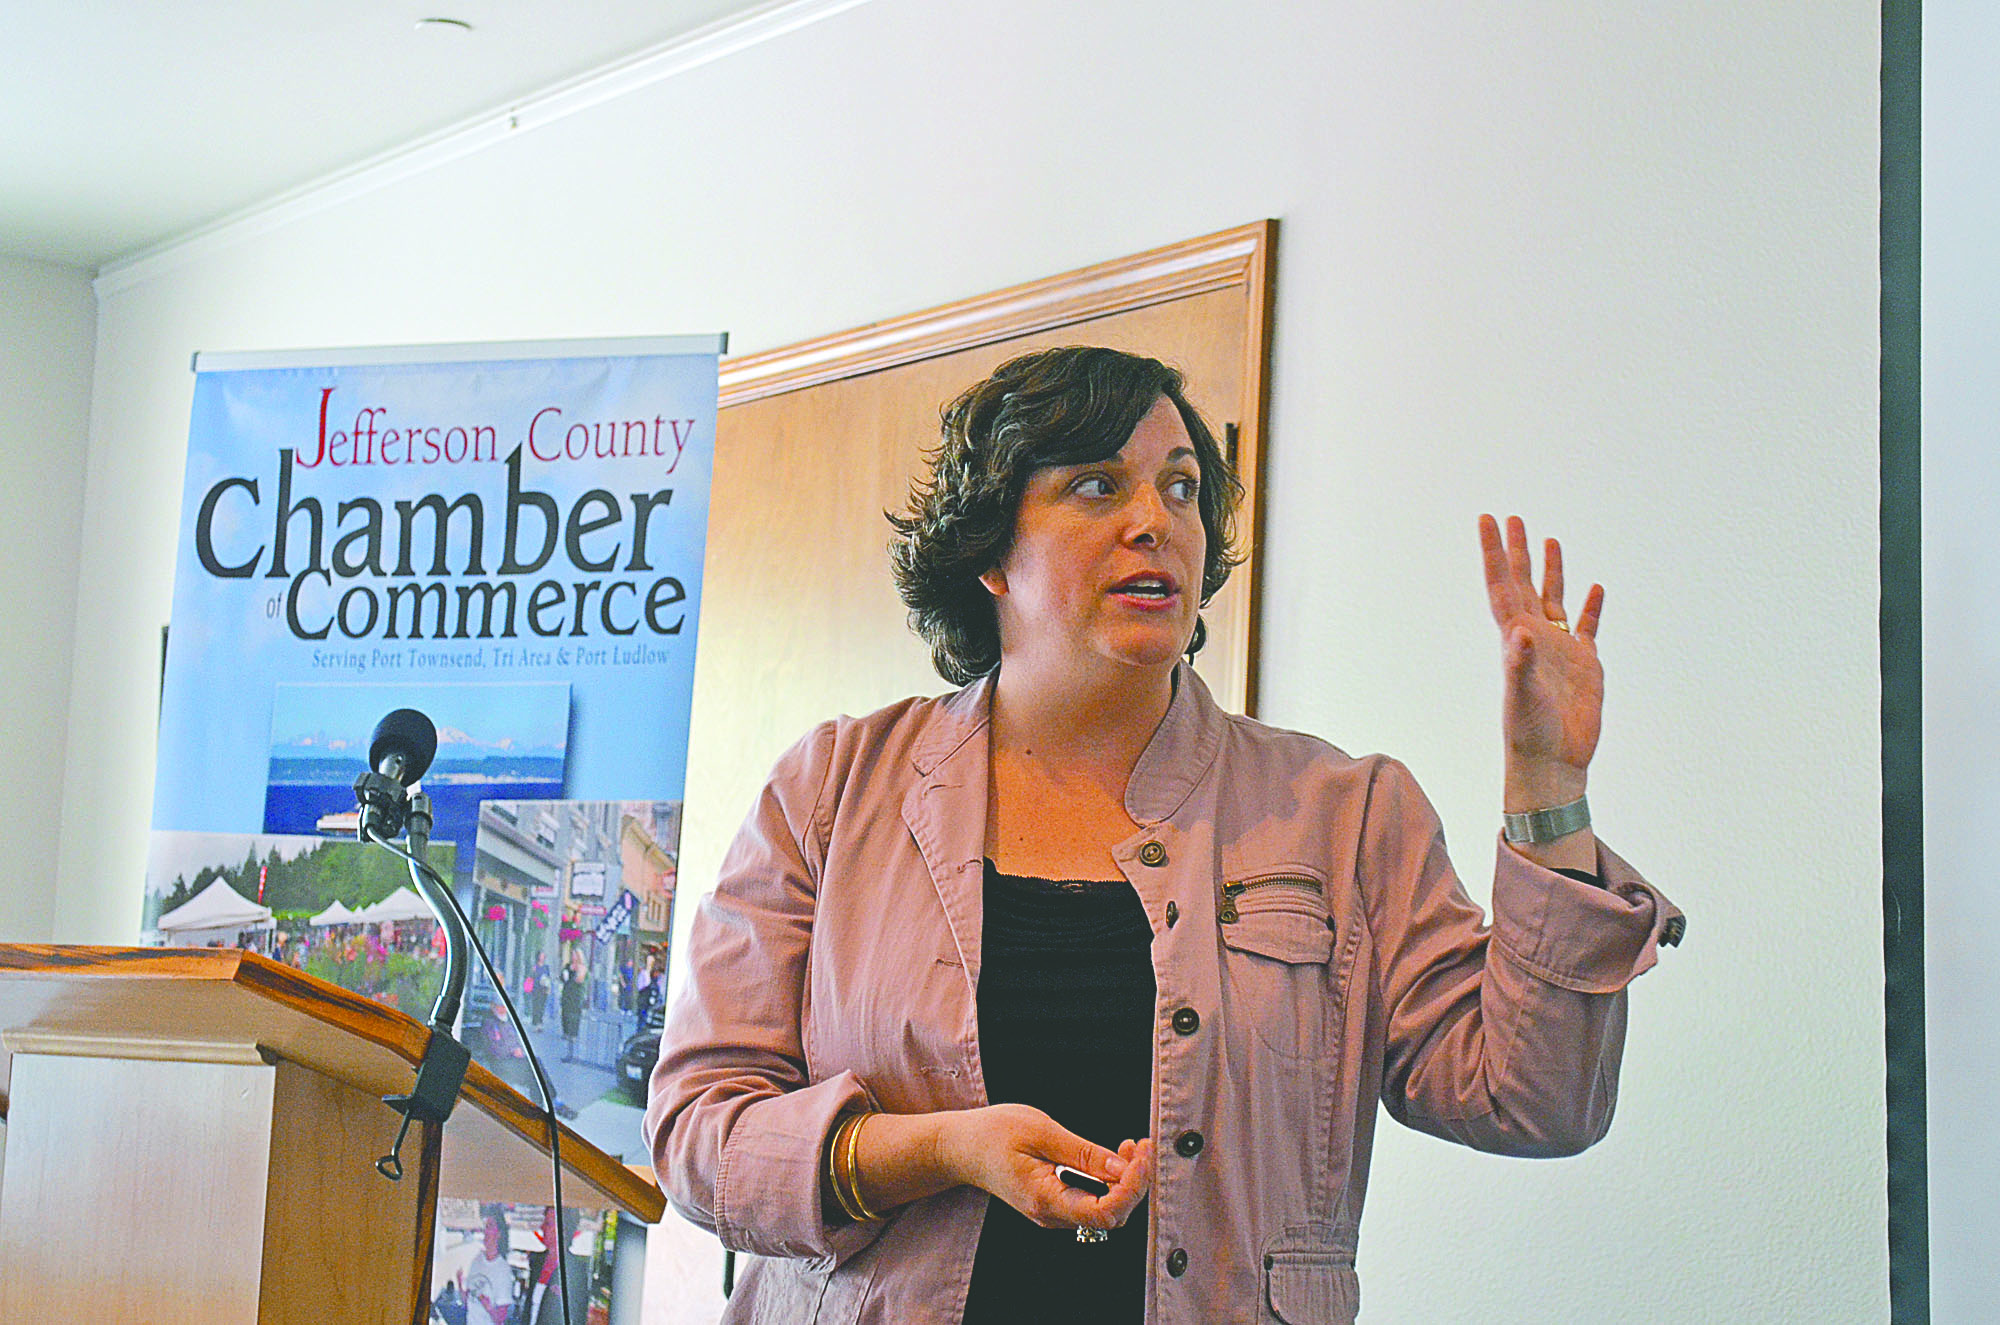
(1065, 1024)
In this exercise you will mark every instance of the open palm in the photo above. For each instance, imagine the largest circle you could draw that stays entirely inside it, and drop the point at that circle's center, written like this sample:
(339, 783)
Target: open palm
(1553, 705)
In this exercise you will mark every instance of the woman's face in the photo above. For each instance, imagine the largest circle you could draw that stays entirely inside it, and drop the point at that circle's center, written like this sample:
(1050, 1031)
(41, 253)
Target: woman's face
(1106, 561)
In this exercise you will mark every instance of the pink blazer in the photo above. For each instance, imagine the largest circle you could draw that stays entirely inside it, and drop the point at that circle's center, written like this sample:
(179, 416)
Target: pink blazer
(1313, 952)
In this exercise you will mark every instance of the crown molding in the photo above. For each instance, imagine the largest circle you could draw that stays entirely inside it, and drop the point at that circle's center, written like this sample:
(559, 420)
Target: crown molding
(678, 55)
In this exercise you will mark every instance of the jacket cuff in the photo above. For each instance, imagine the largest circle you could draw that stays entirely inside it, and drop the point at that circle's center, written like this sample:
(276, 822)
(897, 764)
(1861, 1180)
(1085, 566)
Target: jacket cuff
(1593, 940)
(767, 1184)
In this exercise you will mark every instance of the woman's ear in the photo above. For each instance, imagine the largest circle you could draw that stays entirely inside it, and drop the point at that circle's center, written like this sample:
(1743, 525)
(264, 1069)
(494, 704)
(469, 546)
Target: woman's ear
(995, 581)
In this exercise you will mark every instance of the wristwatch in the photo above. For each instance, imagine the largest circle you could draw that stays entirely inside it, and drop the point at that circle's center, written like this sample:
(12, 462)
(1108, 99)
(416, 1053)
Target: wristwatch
(1547, 825)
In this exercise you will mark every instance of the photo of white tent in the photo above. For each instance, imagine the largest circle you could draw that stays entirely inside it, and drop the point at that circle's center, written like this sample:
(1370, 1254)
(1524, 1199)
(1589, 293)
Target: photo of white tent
(218, 913)
(337, 914)
(403, 904)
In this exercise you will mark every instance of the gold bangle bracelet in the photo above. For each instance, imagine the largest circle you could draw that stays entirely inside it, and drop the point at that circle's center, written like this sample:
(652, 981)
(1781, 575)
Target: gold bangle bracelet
(854, 1167)
(848, 1174)
(850, 1192)
(834, 1167)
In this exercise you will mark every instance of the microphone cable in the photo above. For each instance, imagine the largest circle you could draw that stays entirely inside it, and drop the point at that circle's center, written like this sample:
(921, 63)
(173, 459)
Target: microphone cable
(561, 1250)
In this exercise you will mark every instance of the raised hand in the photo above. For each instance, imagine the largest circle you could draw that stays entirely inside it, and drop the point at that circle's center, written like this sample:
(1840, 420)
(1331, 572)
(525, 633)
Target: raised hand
(1553, 704)
(1011, 1151)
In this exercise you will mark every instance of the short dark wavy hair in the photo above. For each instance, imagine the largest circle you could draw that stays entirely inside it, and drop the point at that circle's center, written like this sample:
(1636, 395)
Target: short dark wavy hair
(1071, 406)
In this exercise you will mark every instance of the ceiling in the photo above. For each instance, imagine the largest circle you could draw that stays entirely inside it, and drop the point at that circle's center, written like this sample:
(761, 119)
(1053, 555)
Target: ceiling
(125, 123)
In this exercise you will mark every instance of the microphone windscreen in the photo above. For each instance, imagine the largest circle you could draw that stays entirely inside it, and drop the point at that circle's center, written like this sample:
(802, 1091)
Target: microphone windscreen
(408, 733)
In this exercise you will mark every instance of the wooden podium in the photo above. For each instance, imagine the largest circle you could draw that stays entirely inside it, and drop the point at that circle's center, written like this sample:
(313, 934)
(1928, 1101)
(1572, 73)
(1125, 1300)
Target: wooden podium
(191, 1136)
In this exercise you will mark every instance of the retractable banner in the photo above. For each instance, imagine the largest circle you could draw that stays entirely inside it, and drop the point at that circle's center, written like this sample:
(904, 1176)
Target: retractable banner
(508, 538)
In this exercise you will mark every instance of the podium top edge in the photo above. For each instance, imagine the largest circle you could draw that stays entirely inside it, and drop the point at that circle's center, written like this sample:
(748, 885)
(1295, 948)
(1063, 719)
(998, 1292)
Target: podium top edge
(80, 959)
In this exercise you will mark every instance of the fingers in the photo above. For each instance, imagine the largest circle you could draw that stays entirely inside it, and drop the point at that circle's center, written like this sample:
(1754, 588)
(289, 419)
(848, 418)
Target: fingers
(1502, 592)
(1552, 581)
(1112, 1209)
(1062, 1146)
(1023, 1146)
(1519, 564)
(1038, 1144)
(1593, 610)
(1129, 1171)
(1136, 1181)
(1066, 1207)
(1510, 582)
(1510, 578)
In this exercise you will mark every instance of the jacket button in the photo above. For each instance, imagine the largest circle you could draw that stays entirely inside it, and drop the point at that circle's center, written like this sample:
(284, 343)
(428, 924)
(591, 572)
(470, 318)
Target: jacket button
(1187, 1021)
(1177, 1262)
(1188, 1145)
(1173, 914)
(1152, 854)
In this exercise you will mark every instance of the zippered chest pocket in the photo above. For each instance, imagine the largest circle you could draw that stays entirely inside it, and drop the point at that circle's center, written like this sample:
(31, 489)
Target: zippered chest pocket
(1277, 949)
(1281, 914)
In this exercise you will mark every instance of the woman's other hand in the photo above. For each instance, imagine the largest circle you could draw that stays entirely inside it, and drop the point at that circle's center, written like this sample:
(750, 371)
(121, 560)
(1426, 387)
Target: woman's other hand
(1011, 1151)
(1553, 703)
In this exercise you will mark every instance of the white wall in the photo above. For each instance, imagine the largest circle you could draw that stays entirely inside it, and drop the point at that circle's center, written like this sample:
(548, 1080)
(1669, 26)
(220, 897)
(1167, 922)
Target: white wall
(1612, 267)
(48, 319)
(1961, 491)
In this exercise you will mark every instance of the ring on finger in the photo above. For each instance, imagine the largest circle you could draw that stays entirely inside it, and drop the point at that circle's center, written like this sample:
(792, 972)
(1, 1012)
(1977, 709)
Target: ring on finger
(1560, 623)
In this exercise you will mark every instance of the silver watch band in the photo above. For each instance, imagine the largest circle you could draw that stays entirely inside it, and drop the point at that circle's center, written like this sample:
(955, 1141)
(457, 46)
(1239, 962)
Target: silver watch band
(1547, 825)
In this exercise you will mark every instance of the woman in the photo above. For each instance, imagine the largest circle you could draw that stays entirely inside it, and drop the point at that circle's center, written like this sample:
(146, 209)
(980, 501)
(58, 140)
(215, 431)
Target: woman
(538, 988)
(489, 1279)
(1075, 909)
(575, 984)
(652, 986)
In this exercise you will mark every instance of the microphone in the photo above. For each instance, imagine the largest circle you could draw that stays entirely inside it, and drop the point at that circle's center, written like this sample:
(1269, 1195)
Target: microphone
(399, 753)
(403, 745)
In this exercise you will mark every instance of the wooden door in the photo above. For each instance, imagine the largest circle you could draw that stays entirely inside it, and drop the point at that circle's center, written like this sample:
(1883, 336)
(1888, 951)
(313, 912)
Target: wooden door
(800, 618)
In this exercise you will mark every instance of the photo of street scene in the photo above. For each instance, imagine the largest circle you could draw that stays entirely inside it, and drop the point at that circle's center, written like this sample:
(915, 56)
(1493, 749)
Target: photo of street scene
(574, 901)
(491, 1266)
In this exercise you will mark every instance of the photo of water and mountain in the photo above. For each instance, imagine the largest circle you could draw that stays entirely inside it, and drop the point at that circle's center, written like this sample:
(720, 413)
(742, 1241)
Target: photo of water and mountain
(496, 740)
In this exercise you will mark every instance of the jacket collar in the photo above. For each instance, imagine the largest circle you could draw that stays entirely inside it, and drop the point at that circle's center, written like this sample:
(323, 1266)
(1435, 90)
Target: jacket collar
(956, 720)
(1173, 762)
(1178, 757)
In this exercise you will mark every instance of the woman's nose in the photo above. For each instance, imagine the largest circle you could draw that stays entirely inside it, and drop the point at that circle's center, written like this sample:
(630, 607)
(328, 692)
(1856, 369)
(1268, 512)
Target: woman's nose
(1150, 520)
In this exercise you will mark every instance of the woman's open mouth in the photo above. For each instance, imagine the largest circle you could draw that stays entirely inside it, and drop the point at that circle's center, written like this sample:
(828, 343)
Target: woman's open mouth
(1148, 590)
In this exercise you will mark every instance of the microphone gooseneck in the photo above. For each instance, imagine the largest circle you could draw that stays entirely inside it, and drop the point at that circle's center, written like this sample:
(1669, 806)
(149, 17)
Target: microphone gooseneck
(400, 752)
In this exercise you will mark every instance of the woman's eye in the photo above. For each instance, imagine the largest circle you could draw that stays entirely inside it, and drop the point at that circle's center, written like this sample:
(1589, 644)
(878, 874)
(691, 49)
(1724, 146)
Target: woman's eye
(1093, 485)
(1185, 488)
